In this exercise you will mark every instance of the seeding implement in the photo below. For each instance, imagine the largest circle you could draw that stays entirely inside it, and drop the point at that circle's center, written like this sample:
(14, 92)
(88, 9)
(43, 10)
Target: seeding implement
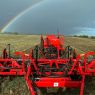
(50, 65)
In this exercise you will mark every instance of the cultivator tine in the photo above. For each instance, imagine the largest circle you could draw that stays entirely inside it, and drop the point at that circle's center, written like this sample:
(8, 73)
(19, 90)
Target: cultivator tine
(5, 55)
(9, 47)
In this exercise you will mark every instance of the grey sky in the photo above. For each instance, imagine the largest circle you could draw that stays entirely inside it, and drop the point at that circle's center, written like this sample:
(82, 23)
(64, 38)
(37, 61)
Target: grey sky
(10, 8)
(70, 16)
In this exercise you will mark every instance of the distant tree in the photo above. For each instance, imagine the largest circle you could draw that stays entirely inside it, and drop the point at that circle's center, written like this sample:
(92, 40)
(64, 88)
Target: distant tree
(15, 33)
(75, 36)
(92, 37)
(82, 36)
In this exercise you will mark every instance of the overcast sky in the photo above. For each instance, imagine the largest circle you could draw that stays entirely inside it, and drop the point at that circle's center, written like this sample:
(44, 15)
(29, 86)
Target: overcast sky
(69, 16)
(10, 8)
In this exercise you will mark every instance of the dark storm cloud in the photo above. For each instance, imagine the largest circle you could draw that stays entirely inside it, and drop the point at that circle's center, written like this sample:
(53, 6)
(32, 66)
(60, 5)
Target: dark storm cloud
(67, 15)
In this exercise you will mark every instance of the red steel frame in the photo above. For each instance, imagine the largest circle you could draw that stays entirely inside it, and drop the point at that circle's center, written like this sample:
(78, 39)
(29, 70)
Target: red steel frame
(80, 66)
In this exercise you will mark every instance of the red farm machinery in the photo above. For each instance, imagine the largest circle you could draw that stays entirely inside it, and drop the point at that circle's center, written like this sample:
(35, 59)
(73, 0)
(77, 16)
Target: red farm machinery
(50, 65)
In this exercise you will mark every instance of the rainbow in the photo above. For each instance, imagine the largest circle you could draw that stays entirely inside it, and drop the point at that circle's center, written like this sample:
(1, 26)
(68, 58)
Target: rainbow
(18, 16)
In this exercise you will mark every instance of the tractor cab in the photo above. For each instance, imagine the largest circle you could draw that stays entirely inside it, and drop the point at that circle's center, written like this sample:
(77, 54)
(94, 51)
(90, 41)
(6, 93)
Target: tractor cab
(52, 46)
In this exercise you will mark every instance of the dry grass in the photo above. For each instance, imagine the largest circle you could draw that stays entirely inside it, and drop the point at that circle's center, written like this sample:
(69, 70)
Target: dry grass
(18, 42)
(81, 44)
(22, 42)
